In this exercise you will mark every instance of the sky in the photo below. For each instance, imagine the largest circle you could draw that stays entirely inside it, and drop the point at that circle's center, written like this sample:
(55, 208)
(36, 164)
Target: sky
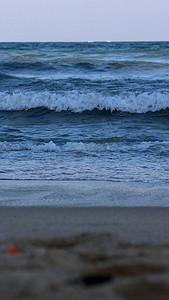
(84, 20)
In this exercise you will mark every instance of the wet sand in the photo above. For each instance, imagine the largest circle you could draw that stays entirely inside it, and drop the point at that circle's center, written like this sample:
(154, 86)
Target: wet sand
(84, 253)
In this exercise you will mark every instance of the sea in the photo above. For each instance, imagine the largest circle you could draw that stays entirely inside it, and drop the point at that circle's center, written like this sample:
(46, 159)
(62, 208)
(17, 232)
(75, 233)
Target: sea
(84, 111)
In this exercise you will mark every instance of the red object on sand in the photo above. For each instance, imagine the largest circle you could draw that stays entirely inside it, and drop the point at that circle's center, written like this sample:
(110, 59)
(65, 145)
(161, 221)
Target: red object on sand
(12, 250)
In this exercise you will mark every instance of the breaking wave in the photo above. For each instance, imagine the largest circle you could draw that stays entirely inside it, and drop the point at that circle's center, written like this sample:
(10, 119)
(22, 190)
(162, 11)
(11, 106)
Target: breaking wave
(83, 147)
(79, 102)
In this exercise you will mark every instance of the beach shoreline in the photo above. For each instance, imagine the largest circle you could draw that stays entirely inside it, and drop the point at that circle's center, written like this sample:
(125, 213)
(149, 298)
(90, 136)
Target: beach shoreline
(83, 193)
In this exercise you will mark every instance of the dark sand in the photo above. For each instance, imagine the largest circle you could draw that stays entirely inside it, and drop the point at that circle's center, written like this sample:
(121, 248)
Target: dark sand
(84, 253)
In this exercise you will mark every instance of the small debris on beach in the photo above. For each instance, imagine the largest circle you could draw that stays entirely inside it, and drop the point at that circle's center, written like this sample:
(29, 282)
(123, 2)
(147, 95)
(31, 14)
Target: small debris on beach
(94, 279)
(12, 250)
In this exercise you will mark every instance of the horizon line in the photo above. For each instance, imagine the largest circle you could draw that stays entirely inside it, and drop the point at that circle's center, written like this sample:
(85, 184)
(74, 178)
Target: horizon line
(89, 41)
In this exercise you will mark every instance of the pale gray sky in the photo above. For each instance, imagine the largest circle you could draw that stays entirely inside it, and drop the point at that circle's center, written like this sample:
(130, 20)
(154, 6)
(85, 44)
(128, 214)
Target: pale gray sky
(84, 20)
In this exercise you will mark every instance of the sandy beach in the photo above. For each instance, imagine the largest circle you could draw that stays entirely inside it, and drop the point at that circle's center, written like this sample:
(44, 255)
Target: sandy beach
(85, 252)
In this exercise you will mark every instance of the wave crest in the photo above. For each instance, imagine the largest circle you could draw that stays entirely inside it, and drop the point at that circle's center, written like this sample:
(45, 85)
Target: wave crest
(82, 147)
(79, 102)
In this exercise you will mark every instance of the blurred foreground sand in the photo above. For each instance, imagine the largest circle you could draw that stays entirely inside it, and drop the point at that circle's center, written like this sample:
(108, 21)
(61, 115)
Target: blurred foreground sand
(84, 253)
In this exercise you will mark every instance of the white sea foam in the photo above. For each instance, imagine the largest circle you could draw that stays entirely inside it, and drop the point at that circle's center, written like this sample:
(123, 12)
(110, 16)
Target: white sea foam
(82, 147)
(79, 102)
(52, 147)
(46, 147)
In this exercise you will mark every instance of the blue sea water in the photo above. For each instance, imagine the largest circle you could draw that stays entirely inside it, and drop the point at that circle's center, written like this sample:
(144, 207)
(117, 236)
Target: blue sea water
(84, 111)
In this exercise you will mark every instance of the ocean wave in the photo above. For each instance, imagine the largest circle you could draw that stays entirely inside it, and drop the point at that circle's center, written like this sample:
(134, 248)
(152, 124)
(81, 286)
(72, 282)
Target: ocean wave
(136, 64)
(45, 147)
(21, 65)
(72, 63)
(52, 147)
(5, 76)
(79, 102)
(81, 147)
